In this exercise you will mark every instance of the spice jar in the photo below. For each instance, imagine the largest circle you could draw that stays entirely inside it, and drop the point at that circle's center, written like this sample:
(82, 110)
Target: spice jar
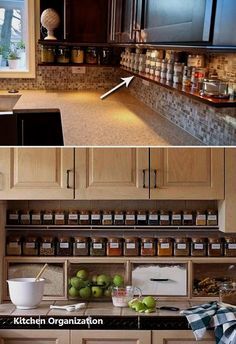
(153, 218)
(176, 218)
(148, 247)
(106, 56)
(130, 218)
(73, 217)
(59, 217)
(77, 55)
(13, 217)
(47, 54)
(181, 247)
(141, 218)
(107, 217)
(48, 217)
(131, 247)
(212, 217)
(84, 218)
(228, 293)
(215, 247)
(230, 247)
(165, 247)
(47, 246)
(80, 246)
(187, 218)
(97, 247)
(91, 56)
(114, 247)
(36, 217)
(198, 247)
(201, 218)
(96, 217)
(63, 246)
(13, 246)
(25, 217)
(63, 54)
(30, 246)
(164, 218)
(119, 218)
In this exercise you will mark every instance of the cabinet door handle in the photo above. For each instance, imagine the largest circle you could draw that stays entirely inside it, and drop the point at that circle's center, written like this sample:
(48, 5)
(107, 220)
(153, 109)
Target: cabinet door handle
(144, 177)
(159, 279)
(155, 179)
(68, 179)
(22, 132)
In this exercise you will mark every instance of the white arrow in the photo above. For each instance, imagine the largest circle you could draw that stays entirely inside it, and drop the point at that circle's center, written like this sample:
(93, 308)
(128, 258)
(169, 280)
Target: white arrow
(126, 81)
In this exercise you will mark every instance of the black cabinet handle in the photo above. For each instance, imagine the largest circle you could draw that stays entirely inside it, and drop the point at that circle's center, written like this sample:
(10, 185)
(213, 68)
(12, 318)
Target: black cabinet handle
(159, 279)
(155, 179)
(68, 179)
(22, 132)
(144, 179)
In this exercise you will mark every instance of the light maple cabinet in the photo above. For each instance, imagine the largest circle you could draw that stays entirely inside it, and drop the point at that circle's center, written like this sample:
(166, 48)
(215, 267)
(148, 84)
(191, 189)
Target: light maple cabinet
(36, 173)
(180, 337)
(110, 337)
(111, 173)
(184, 173)
(34, 336)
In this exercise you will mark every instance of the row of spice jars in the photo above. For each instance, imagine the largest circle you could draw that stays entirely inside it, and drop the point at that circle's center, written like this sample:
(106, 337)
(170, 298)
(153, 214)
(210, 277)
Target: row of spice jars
(129, 246)
(118, 217)
(79, 55)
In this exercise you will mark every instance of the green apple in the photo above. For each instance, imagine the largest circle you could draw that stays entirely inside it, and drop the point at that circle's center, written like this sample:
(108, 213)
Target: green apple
(131, 302)
(103, 280)
(149, 302)
(85, 293)
(73, 292)
(139, 306)
(82, 274)
(118, 280)
(107, 292)
(96, 291)
(77, 282)
(94, 279)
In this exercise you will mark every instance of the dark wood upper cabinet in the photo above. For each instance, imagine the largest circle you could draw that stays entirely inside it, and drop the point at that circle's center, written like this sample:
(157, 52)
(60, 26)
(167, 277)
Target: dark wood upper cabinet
(175, 21)
(59, 7)
(225, 25)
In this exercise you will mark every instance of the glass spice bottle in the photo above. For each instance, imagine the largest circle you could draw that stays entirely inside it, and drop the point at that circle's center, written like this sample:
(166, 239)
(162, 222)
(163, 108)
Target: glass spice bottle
(47, 54)
(96, 218)
(80, 246)
(36, 217)
(63, 246)
(25, 217)
(130, 218)
(48, 217)
(13, 217)
(215, 247)
(97, 247)
(201, 218)
(77, 55)
(119, 218)
(164, 218)
(198, 247)
(107, 218)
(47, 246)
(73, 217)
(181, 247)
(176, 218)
(13, 246)
(153, 218)
(141, 218)
(59, 217)
(148, 247)
(212, 217)
(91, 55)
(230, 247)
(131, 247)
(30, 246)
(165, 247)
(114, 247)
(187, 218)
(63, 55)
(84, 218)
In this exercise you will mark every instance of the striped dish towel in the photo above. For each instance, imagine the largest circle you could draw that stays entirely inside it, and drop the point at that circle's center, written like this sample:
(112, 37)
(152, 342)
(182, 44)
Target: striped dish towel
(213, 316)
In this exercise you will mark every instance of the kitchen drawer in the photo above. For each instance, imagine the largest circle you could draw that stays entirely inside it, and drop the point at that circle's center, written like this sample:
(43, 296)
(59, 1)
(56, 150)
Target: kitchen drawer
(161, 279)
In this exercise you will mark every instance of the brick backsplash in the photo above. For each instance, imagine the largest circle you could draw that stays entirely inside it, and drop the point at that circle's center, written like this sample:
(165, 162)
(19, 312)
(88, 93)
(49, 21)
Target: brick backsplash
(225, 65)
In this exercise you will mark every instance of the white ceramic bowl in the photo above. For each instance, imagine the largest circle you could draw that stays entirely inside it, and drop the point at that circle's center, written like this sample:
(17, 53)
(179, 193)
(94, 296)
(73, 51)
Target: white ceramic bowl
(26, 293)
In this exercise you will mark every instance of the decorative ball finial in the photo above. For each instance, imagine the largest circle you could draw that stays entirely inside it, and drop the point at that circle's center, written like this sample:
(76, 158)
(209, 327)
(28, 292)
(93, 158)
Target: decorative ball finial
(50, 20)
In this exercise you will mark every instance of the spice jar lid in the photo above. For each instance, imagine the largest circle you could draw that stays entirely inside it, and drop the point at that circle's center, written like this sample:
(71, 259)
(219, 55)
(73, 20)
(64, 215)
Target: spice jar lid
(176, 212)
(36, 211)
(201, 240)
(84, 212)
(59, 211)
(73, 211)
(164, 212)
(153, 212)
(148, 240)
(114, 239)
(47, 239)
(200, 212)
(230, 240)
(107, 212)
(14, 238)
(214, 240)
(212, 211)
(130, 212)
(48, 211)
(13, 211)
(31, 238)
(131, 239)
(98, 239)
(95, 211)
(25, 211)
(64, 239)
(164, 239)
(79, 238)
(180, 240)
(119, 212)
(187, 212)
(142, 212)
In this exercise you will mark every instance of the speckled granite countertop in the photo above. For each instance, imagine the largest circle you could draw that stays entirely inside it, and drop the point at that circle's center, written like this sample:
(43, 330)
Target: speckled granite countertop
(119, 120)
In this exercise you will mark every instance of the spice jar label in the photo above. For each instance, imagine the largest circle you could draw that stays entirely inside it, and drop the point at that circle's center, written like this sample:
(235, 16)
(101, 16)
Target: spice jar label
(97, 246)
(141, 217)
(85, 217)
(164, 217)
(148, 245)
(114, 245)
(30, 245)
(46, 245)
(130, 217)
(13, 217)
(198, 246)
(215, 246)
(201, 217)
(94, 217)
(36, 217)
(64, 245)
(25, 217)
(107, 217)
(119, 217)
(130, 245)
(232, 246)
(188, 217)
(81, 245)
(13, 244)
(153, 217)
(181, 246)
(60, 217)
(47, 216)
(73, 217)
(212, 217)
(176, 217)
(165, 245)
